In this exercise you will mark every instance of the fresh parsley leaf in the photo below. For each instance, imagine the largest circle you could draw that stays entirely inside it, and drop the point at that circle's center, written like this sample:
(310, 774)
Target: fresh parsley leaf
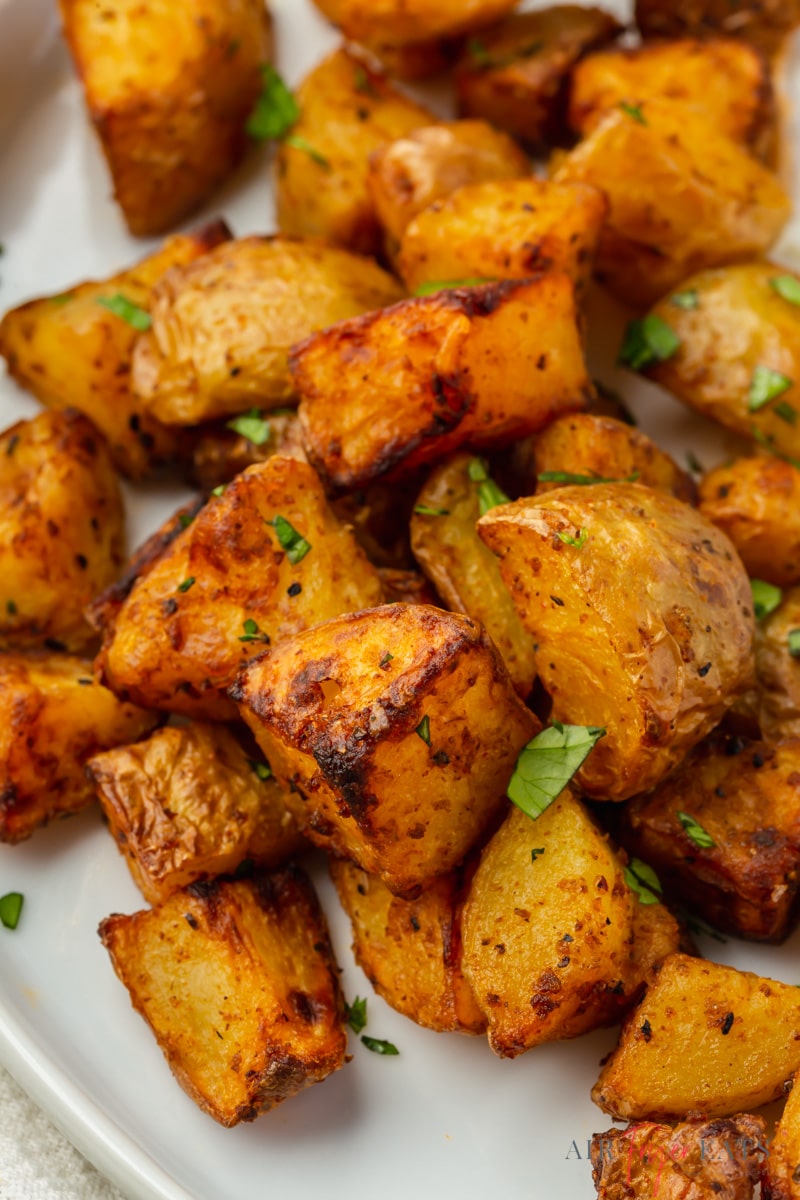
(547, 764)
(577, 541)
(793, 642)
(355, 1014)
(449, 285)
(291, 541)
(276, 109)
(537, 853)
(489, 494)
(218, 491)
(252, 633)
(187, 583)
(582, 480)
(643, 880)
(425, 510)
(251, 425)
(185, 520)
(685, 300)
(378, 1045)
(387, 658)
(300, 143)
(766, 598)
(126, 310)
(787, 287)
(261, 769)
(647, 341)
(10, 909)
(695, 832)
(766, 385)
(633, 111)
(423, 730)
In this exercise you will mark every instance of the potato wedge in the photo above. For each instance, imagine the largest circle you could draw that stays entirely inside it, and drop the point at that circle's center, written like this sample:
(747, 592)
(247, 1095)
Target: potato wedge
(220, 453)
(777, 692)
(239, 985)
(222, 327)
(781, 1179)
(168, 88)
(643, 619)
(756, 502)
(765, 23)
(707, 1040)
(401, 22)
(398, 728)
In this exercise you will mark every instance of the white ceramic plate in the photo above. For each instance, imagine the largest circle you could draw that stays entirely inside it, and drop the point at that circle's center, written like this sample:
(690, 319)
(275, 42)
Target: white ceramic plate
(443, 1115)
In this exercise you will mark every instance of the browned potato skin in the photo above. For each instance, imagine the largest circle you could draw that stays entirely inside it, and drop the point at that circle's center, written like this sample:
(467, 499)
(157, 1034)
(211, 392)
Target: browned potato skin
(53, 717)
(674, 1057)
(391, 391)
(348, 111)
(180, 651)
(781, 1180)
(695, 200)
(406, 587)
(740, 322)
(504, 230)
(765, 23)
(777, 693)
(71, 352)
(414, 60)
(410, 950)
(222, 326)
(220, 454)
(337, 711)
(187, 804)
(62, 529)
(522, 88)
(646, 630)
(169, 88)
(239, 985)
(464, 572)
(404, 22)
(756, 502)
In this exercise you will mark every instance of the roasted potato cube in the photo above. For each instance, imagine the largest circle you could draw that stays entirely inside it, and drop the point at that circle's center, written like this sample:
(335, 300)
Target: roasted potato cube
(347, 112)
(643, 619)
(410, 949)
(259, 563)
(62, 529)
(765, 23)
(707, 1040)
(53, 717)
(506, 230)
(393, 390)
(777, 691)
(399, 729)
(781, 1179)
(548, 938)
(222, 327)
(220, 452)
(168, 87)
(695, 199)
(756, 502)
(73, 351)
(516, 75)
(239, 985)
(415, 60)
(188, 804)
(464, 572)
(738, 357)
(403, 22)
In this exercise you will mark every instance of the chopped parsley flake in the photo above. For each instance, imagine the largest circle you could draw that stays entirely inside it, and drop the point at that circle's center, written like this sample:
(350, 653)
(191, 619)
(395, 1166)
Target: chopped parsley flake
(378, 1045)
(251, 425)
(489, 494)
(695, 832)
(355, 1014)
(126, 310)
(261, 769)
(423, 730)
(430, 289)
(577, 541)
(685, 300)
(787, 287)
(290, 540)
(633, 111)
(643, 880)
(252, 633)
(647, 341)
(300, 143)
(425, 510)
(276, 109)
(187, 583)
(766, 385)
(793, 642)
(766, 598)
(10, 909)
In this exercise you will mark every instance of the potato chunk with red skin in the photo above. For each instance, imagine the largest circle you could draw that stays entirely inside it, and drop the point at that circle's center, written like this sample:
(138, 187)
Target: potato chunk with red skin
(642, 616)
(239, 985)
(398, 729)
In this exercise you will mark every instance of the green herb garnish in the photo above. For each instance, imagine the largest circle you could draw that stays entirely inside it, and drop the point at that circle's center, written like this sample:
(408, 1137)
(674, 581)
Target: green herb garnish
(425, 510)
(793, 642)
(291, 541)
(766, 385)
(449, 285)
(537, 853)
(766, 598)
(355, 1014)
(218, 490)
(643, 880)
(261, 769)
(251, 425)
(126, 310)
(185, 520)
(547, 764)
(300, 143)
(633, 111)
(649, 340)
(478, 52)
(786, 412)
(685, 300)
(694, 464)
(787, 287)
(10, 909)
(378, 1045)
(489, 494)
(577, 541)
(276, 109)
(582, 480)
(252, 633)
(695, 832)
(187, 583)
(423, 730)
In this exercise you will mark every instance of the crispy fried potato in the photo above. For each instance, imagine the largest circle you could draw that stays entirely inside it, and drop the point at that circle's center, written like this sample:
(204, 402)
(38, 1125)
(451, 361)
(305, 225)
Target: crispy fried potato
(72, 352)
(694, 198)
(398, 728)
(781, 1179)
(756, 502)
(226, 587)
(777, 692)
(464, 572)
(739, 344)
(62, 529)
(504, 230)
(168, 87)
(765, 23)
(404, 22)
(239, 985)
(188, 804)
(707, 1040)
(643, 621)
(53, 717)
(347, 112)
(516, 75)
(222, 327)
(219, 453)
(394, 390)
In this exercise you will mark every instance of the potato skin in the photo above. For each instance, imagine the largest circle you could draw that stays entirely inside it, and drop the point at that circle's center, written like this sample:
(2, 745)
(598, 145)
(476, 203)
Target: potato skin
(62, 529)
(53, 717)
(777, 693)
(239, 985)
(222, 326)
(168, 88)
(187, 804)
(397, 729)
(390, 391)
(765, 23)
(779, 1181)
(756, 502)
(646, 630)
(401, 22)
(219, 454)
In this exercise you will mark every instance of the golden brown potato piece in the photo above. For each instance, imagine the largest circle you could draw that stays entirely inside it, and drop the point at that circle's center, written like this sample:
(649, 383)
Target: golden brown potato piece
(516, 75)
(72, 351)
(53, 717)
(220, 452)
(188, 804)
(727, 80)
(782, 1175)
(401, 22)
(738, 357)
(414, 60)
(549, 930)
(696, 1160)
(707, 1040)
(777, 693)
(347, 112)
(394, 390)
(694, 198)
(62, 530)
(410, 950)
(406, 587)
(723, 833)
(239, 985)
(411, 173)
(259, 563)
(168, 87)
(464, 572)
(398, 728)
(643, 619)
(504, 230)
(765, 23)
(222, 327)
(756, 502)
